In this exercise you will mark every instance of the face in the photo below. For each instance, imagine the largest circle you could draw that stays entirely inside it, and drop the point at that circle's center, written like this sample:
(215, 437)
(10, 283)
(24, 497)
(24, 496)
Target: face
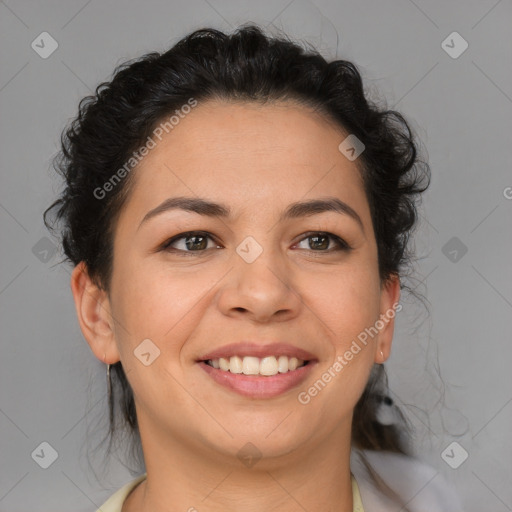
(306, 283)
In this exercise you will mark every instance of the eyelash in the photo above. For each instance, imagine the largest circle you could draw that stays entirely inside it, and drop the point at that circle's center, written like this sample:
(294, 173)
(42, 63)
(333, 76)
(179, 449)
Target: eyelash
(341, 244)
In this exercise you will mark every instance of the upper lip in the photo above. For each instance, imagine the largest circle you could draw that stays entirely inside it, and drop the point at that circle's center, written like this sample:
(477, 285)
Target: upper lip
(247, 348)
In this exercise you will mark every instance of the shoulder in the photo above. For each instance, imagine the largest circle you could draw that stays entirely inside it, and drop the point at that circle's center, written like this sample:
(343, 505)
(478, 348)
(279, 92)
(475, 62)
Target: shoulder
(386, 479)
(115, 502)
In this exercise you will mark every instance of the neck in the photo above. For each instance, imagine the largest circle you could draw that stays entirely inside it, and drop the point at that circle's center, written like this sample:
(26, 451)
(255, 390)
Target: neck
(181, 477)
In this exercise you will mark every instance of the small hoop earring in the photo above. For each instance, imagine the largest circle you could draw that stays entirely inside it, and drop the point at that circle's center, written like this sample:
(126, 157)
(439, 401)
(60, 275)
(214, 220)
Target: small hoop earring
(109, 382)
(382, 355)
(109, 386)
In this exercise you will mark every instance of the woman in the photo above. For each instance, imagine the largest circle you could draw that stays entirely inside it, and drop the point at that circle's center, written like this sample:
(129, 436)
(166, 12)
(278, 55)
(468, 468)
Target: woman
(238, 215)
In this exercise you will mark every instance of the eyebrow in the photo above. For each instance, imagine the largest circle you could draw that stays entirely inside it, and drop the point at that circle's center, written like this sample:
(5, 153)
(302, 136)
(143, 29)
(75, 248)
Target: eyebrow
(293, 211)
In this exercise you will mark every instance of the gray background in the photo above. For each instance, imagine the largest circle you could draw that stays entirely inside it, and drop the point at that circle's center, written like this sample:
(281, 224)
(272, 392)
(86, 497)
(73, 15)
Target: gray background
(450, 369)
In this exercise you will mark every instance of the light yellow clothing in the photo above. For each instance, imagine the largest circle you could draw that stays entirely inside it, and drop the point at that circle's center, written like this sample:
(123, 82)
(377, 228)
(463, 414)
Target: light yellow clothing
(356, 497)
(115, 502)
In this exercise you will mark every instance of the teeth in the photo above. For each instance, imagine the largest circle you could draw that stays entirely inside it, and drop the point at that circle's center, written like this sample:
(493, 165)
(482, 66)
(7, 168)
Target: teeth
(235, 364)
(282, 364)
(268, 366)
(293, 362)
(250, 365)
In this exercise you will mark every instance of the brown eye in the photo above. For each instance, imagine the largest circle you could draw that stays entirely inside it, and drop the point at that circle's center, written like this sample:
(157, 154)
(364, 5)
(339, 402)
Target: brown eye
(194, 241)
(320, 242)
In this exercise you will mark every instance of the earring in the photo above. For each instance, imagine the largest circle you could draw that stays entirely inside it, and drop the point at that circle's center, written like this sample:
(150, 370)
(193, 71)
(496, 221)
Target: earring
(111, 405)
(382, 356)
(109, 382)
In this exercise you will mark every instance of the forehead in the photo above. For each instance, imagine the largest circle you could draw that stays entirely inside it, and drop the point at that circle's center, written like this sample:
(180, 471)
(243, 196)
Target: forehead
(241, 129)
(247, 155)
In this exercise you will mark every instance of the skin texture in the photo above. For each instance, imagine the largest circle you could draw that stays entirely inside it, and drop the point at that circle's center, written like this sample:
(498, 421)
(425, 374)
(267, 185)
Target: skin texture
(257, 159)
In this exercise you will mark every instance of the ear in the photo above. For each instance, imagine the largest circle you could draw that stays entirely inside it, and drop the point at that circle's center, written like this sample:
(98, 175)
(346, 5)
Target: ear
(389, 307)
(93, 310)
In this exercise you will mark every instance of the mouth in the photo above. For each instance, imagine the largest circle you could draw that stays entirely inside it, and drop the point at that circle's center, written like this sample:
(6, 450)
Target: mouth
(256, 371)
(250, 365)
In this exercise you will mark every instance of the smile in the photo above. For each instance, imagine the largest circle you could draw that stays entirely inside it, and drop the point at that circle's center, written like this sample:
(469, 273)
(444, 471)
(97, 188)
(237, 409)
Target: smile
(250, 365)
(257, 385)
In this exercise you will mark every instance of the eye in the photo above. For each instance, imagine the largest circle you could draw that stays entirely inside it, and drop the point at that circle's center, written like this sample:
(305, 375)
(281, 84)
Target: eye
(194, 241)
(320, 241)
(197, 241)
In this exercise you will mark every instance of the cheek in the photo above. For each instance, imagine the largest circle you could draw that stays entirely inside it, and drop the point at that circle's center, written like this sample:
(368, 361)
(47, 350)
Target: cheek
(350, 309)
(348, 302)
(157, 305)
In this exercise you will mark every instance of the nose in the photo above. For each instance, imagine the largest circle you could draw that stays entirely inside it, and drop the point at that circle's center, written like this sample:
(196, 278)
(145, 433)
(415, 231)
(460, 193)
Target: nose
(261, 291)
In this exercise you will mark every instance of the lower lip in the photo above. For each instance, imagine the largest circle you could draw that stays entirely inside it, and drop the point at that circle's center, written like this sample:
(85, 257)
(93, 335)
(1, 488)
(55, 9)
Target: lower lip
(254, 386)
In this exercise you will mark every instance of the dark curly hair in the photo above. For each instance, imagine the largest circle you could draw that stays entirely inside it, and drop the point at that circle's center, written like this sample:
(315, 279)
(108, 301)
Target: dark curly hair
(248, 66)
